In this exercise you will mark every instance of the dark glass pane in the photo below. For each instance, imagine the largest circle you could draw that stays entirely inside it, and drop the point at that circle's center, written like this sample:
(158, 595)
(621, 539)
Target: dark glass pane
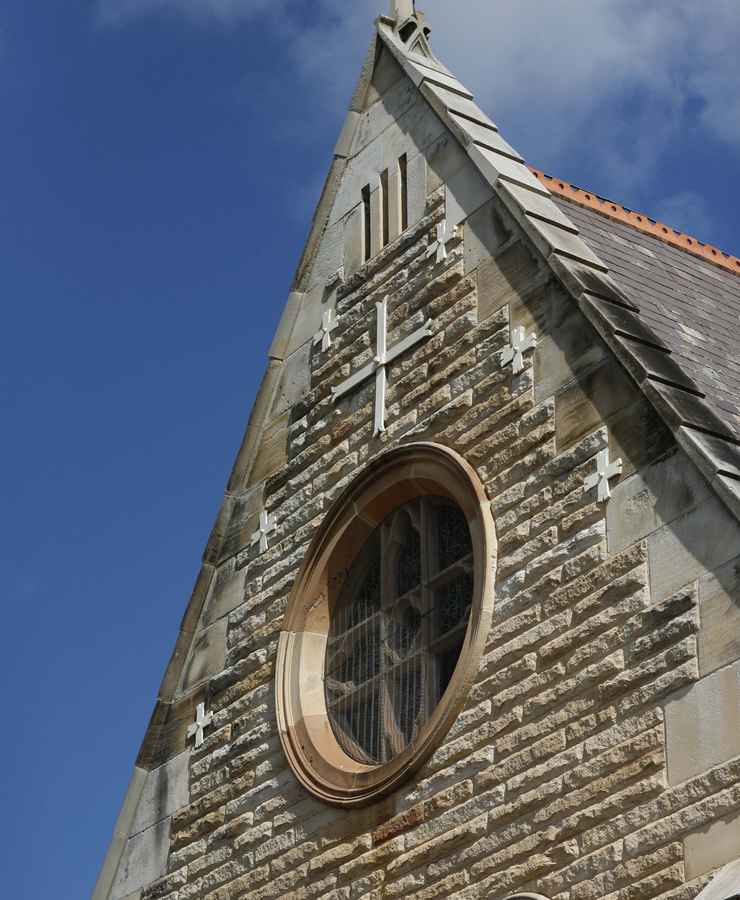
(404, 627)
(353, 659)
(452, 603)
(447, 662)
(358, 727)
(363, 661)
(406, 692)
(390, 658)
(367, 600)
(408, 569)
(453, 536)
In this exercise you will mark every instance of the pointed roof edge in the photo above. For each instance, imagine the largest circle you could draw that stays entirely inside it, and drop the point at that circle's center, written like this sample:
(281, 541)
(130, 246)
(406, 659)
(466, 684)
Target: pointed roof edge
(338, 165)
(238, 478)
(707, 440)
(675, 396)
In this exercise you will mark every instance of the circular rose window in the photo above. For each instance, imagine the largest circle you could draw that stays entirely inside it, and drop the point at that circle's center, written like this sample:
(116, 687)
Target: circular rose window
(398, 627)
(385, 625)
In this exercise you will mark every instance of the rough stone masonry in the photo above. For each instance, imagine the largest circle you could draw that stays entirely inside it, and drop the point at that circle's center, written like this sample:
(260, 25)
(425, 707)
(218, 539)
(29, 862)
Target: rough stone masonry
(598, 751)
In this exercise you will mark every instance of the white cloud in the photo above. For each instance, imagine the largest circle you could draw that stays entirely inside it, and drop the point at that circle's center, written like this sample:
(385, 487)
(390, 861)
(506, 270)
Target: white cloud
(620, 80)
(558, 75)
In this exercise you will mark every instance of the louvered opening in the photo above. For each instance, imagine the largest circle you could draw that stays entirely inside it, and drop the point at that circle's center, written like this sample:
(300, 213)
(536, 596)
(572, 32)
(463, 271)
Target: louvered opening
(407, 31)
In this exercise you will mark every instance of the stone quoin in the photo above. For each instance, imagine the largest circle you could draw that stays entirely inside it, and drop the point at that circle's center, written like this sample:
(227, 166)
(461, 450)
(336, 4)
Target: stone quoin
(468, 622)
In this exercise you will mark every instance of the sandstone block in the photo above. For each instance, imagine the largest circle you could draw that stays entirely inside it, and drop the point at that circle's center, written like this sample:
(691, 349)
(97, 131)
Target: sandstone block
(353, 242)
(294, 382)
(503, 279)
(165, 791)
(389, 86)
(702, 540)
(485, 233)
(207, 656)
(703, 725)
(338, 854)
(439, 845)
(308, 318)
(713, 847)
(723, 885)
(144, 860)
(377, 857)
(227, 592)
(444, 158)
(719, 599)
(593, 399)
(567, 348)
(465, 192)
(652, 497)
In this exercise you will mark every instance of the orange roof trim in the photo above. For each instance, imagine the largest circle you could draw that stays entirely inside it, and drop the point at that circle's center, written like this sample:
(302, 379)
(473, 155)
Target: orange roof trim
(639, 221)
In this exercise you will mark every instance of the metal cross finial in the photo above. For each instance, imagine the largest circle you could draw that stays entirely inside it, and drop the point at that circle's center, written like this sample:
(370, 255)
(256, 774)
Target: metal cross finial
(604, 471)
(383, 358)
(202, 721)
(444, 237)
(328, 324)
(520, 344)
(266, 527)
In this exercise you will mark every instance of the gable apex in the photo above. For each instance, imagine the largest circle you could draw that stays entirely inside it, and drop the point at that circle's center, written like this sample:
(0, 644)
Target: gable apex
(435, 328)
(584, 274)
(556, 237)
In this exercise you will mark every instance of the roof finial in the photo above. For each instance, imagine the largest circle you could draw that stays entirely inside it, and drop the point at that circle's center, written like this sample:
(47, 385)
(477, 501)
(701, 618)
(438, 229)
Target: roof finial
(402, 9)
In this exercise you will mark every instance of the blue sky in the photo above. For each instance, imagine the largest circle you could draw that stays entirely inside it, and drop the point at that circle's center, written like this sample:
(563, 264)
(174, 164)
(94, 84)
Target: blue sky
(159, 163)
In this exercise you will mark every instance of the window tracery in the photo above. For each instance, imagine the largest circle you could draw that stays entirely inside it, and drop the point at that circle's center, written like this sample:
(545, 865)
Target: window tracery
(386, 624)
(398, 628)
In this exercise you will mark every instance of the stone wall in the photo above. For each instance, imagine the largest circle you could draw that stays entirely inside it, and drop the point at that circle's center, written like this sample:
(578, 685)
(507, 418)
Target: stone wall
(598, 754)
(575, 769)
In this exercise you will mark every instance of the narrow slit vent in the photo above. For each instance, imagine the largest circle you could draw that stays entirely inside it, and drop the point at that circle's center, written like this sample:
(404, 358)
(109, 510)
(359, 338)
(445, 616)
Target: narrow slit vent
(403, 172)
(408, 31)
(384, 209)
(366, 224)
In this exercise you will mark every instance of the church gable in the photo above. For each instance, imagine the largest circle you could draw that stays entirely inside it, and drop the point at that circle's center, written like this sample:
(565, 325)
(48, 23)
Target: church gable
(456, 342)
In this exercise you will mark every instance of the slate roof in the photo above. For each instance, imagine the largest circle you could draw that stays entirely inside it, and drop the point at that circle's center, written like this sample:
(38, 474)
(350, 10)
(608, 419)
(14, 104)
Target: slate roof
(692, 304)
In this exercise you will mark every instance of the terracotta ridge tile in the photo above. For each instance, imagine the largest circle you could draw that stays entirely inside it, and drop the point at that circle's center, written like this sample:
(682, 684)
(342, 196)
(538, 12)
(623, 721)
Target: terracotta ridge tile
(639, 221)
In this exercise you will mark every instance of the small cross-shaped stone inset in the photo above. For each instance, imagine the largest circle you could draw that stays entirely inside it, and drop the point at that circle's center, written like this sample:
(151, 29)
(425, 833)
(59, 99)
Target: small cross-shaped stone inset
(266, 527)
(202, 721)
(378, 366)
(604, 471)
(336, 278)
(444, 237)
(520, 344)
(328, 324)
